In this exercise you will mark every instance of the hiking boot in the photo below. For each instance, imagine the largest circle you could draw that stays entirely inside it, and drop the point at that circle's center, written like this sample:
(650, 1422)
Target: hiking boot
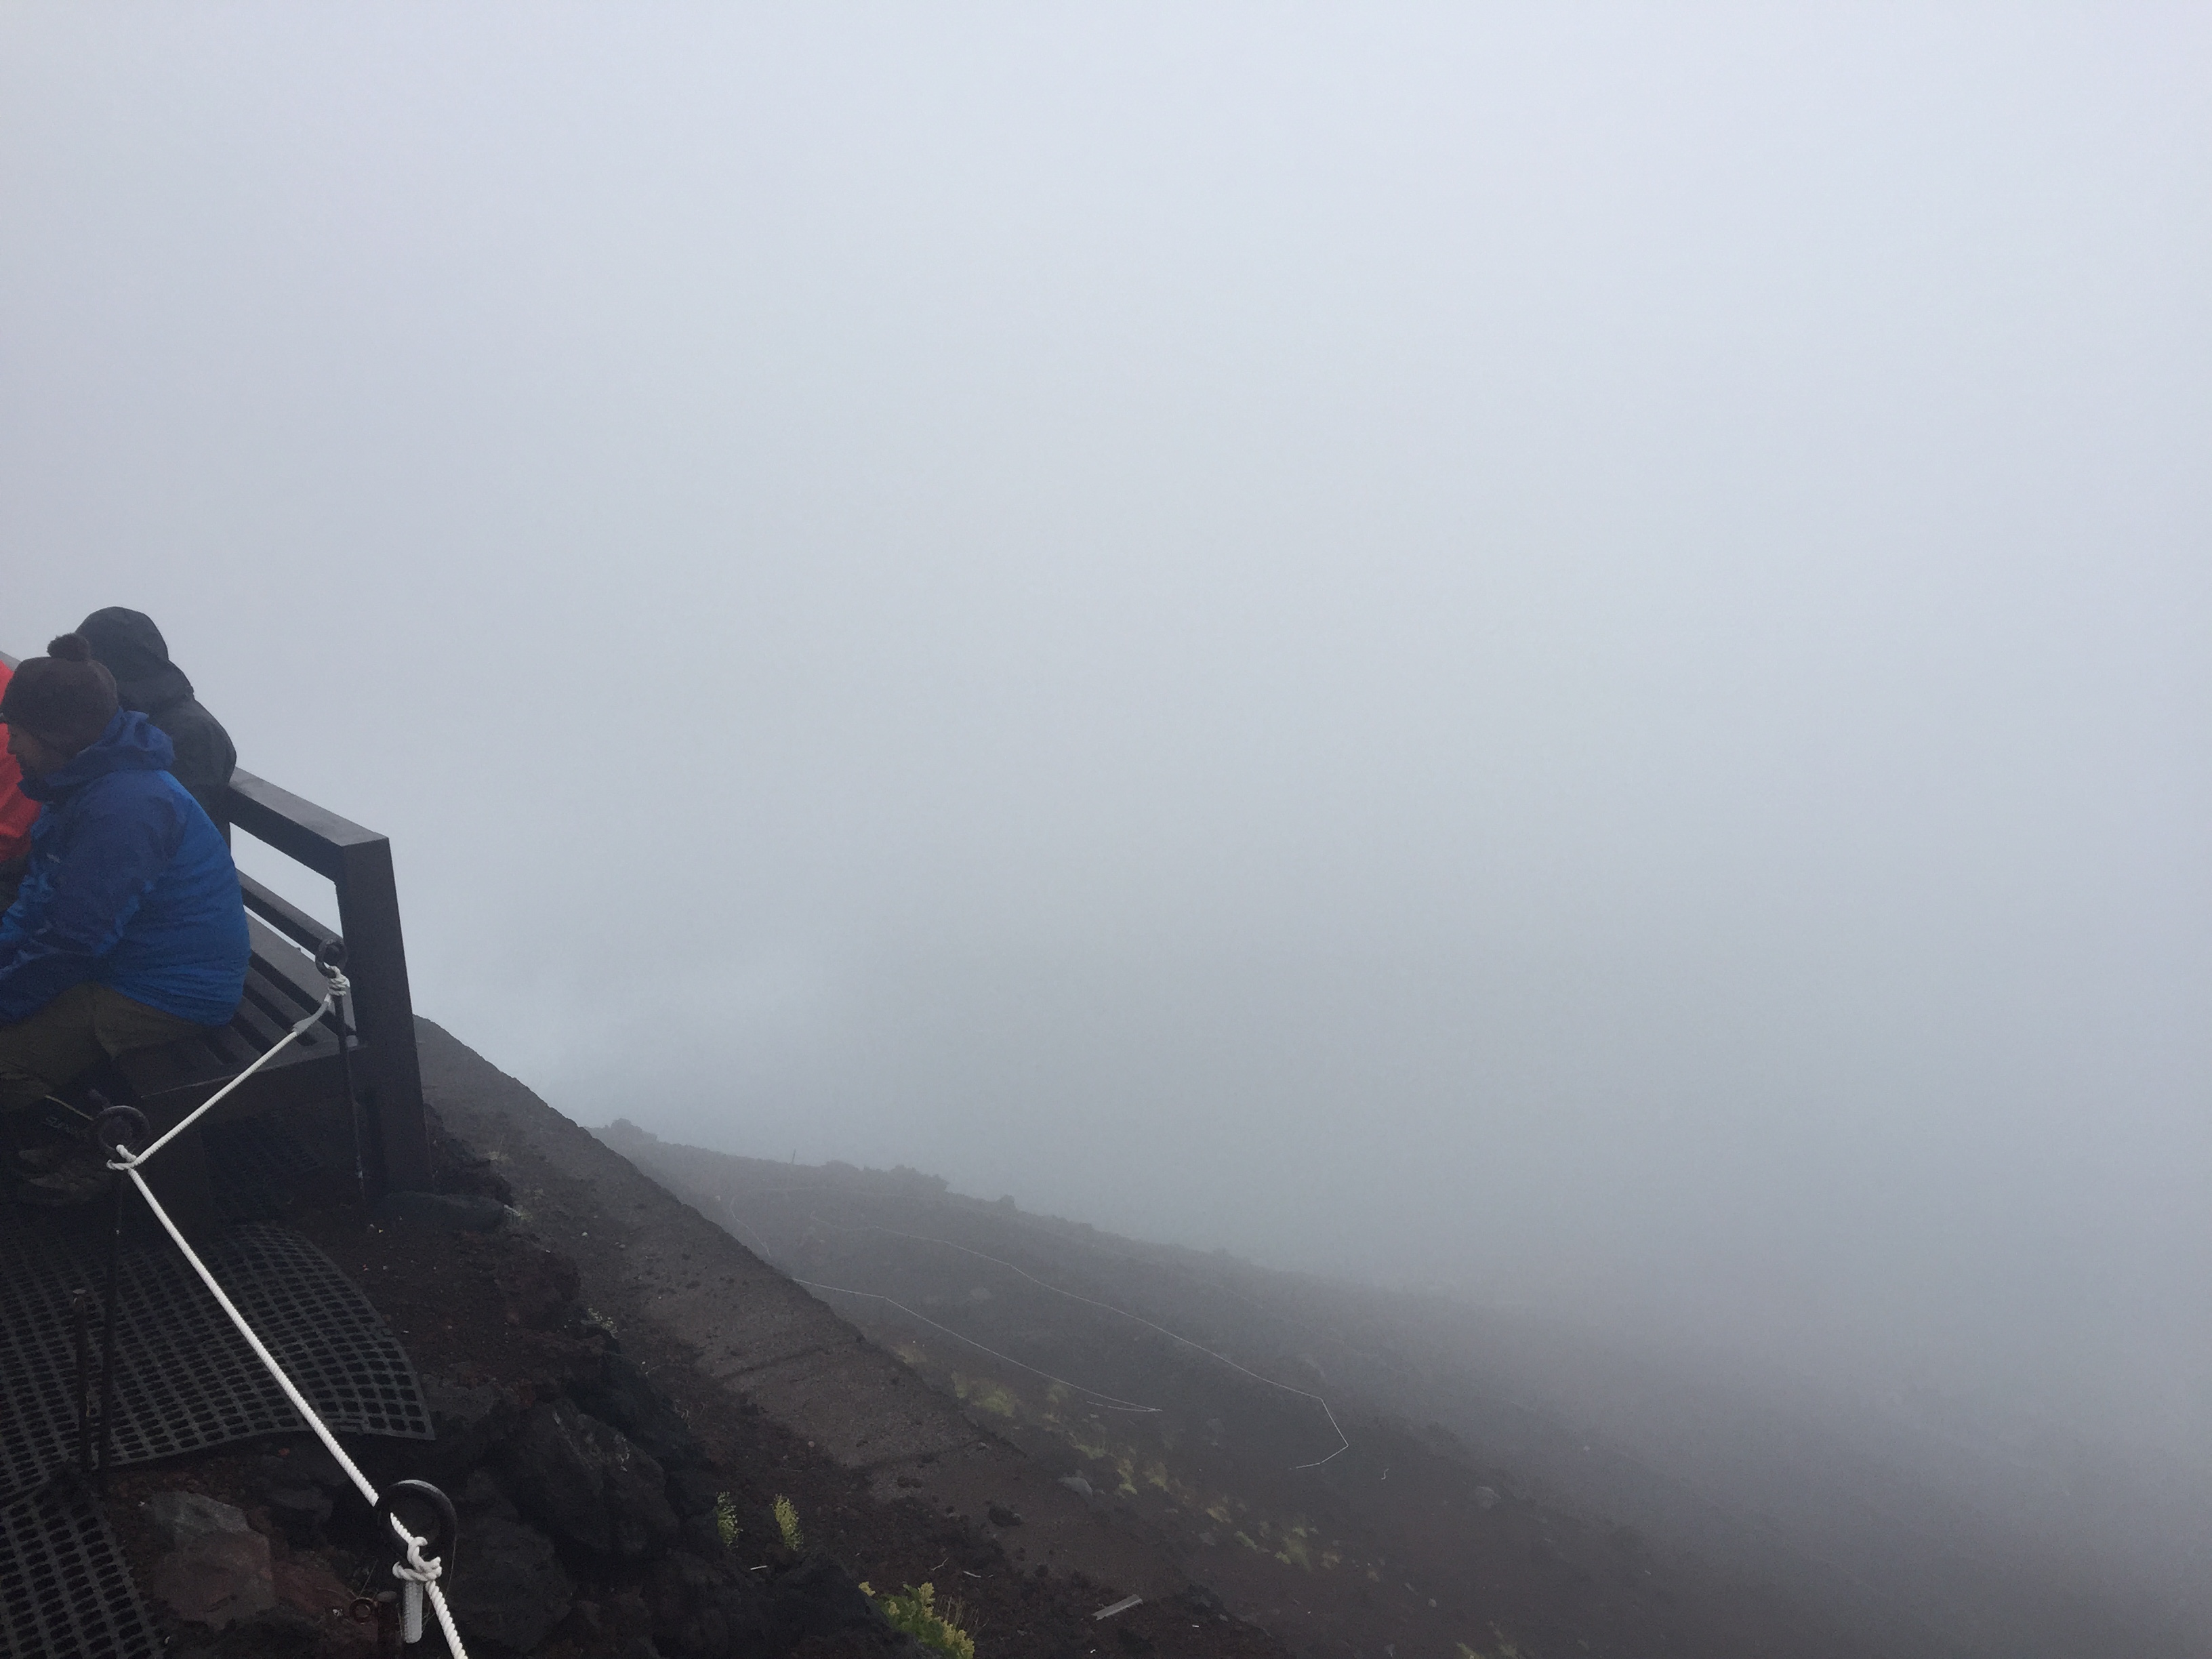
(77, 1182)
(45, 1159)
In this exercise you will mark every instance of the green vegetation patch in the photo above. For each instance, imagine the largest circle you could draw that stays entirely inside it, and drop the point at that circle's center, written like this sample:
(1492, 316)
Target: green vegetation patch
(914, 1610)
(786, 1525)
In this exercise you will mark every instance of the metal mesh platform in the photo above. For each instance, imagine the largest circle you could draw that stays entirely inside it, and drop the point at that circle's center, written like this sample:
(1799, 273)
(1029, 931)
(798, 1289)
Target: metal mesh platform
(64, 1592)
(254, 1165)
(185, 1378)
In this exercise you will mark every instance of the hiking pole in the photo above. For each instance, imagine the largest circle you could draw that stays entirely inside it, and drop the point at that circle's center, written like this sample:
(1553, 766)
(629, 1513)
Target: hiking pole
(330, 963)
(81, 1315)
(114, 1129)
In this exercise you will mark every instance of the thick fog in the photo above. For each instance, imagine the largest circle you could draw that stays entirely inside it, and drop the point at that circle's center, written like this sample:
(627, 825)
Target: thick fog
(1561, 653)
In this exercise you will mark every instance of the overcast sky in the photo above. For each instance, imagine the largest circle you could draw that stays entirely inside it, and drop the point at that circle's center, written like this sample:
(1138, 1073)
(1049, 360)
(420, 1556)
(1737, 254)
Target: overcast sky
(1559, 651)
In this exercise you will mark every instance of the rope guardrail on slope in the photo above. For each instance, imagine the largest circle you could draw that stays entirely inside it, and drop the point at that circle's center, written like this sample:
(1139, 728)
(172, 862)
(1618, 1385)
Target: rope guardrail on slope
(1343, 1442)
(114, 1130)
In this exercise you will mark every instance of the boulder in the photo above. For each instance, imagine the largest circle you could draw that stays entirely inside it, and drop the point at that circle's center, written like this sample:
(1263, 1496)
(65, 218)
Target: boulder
(508, 1585)
(299, 1512)
(289, 1486)
(819, 1598)
(695, 1490)
(540, 1285)
(481, 1495)
(468, 1419)
(702, 1606)
(214, 1568)
(584, 1482)
(624, 1395)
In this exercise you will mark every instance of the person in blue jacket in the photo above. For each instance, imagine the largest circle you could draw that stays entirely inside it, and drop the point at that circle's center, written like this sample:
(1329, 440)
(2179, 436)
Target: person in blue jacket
(130, 930)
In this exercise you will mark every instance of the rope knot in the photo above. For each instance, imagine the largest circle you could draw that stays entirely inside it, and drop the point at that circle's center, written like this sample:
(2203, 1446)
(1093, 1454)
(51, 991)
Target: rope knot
(416, 1569)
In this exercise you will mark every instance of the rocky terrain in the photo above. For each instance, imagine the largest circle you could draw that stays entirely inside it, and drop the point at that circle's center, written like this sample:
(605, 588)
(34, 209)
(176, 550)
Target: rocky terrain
(631, 1350)
(615, 1496)
(1497, 1486)
(1159, 1388)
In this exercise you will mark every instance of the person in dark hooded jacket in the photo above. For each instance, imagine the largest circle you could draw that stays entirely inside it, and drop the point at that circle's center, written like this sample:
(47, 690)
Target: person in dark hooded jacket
(130, 931)
(132, 649)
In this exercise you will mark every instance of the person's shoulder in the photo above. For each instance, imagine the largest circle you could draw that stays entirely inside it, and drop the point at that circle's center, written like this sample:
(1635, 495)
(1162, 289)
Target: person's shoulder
(129, 790)
(190, 721)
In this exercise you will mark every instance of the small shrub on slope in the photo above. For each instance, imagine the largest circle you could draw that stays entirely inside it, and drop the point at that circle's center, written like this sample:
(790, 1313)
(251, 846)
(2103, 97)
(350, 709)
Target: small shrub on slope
(915, 1612)
(787, 1526)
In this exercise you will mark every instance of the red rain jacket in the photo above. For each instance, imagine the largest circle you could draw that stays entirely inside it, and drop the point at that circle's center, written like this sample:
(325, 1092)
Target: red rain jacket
(16, 808)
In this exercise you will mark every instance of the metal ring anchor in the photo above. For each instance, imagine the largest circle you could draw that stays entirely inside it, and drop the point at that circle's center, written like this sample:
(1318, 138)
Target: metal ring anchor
(438, 1549)
(440, 1543)
(119, 1129)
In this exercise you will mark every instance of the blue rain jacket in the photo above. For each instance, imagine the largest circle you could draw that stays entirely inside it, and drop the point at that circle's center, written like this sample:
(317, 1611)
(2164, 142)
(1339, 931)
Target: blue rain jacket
(130, 886)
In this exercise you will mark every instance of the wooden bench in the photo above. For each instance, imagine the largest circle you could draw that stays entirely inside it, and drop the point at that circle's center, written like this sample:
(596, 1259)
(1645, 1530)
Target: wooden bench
(282, 986)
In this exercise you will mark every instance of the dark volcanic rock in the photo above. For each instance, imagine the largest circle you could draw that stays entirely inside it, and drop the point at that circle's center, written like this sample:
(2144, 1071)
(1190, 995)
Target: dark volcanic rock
(444, 1213)
(622, 1394)
(857, 1644)
(298, 1512)
(289, 1488)
(703, 1606)
(540, 1287)
(214, 1568)
(584, 1482)
(694, 1490)
(819, 1598)
(460, 1168)
(469, 1420)
(481, 1495)
(510, 1587)
(275, 1633)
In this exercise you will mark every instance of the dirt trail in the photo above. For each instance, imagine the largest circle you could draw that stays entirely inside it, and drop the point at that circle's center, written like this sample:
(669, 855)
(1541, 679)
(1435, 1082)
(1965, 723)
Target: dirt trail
(647, 1259)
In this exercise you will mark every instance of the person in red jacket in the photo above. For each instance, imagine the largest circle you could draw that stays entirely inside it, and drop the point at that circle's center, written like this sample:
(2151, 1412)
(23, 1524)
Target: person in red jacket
(17, 810)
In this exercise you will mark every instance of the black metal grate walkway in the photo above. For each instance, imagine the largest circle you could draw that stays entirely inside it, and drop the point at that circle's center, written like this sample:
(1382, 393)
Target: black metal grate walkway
(185, 1381)
(185, 1378)
(254, 1165)
(64, 1592)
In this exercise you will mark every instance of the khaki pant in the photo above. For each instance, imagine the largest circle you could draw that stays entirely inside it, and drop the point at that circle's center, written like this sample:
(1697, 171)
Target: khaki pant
(83, 1026)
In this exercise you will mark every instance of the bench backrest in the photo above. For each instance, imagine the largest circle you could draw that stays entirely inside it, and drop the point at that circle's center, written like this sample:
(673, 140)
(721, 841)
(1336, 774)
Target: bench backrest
(357, 862)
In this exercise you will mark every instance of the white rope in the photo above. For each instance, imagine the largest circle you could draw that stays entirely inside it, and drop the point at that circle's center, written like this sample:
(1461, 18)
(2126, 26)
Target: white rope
(420, 1571)
(415, 1572)
(1343, 1444)
(339, 986)
(1113, 1402)
(420, 1574)
(269, 1360)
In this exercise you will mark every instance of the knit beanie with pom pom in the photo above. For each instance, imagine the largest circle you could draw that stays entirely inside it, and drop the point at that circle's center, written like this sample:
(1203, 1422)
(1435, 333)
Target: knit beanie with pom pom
(63, 698)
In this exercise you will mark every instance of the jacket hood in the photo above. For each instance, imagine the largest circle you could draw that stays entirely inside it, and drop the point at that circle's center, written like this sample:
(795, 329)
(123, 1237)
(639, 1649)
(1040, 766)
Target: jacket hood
(131, 743)
(138, 657)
